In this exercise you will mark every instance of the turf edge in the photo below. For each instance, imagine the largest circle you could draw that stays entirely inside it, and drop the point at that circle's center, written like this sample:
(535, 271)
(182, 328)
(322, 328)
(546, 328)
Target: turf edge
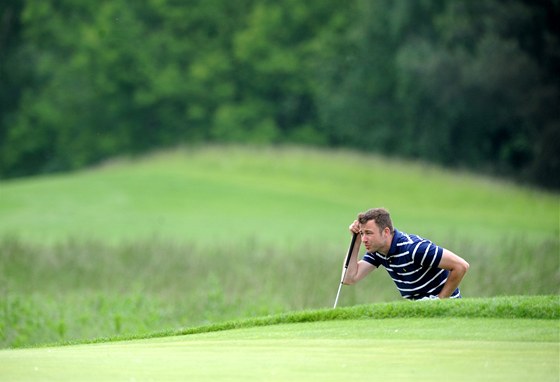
(509, 307)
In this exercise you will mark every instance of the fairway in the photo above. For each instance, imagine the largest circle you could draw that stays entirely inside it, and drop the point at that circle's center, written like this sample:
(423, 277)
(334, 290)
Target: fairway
(401, 349)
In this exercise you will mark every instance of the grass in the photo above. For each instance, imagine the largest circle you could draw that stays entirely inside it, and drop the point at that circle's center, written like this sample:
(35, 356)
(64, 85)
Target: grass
(472, 339)
(235, 194)
(85, 290)
(203, 235)
(511, 307)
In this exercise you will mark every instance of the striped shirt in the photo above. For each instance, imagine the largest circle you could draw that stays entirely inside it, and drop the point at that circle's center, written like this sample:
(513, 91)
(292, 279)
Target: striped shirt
(412, 263)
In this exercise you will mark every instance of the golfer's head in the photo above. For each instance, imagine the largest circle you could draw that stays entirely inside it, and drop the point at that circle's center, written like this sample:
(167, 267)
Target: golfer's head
(380, 216)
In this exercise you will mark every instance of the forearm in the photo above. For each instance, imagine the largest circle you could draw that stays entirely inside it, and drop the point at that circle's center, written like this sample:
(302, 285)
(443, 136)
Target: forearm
(453, 280)
(457, 268)
(352, 271)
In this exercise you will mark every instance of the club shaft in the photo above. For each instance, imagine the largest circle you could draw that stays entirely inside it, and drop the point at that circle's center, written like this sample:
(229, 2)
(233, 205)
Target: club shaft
(337, 294)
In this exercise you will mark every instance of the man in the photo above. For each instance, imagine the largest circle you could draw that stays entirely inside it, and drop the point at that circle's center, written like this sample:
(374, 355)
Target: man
(419, 268)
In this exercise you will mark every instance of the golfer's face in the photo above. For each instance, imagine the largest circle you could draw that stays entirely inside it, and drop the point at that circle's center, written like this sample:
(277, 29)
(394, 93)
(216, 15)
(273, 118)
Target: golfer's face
(372, 236)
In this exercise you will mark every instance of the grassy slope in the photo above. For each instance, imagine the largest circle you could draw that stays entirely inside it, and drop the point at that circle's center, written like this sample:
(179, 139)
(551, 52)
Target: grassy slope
(472, 339)
(276, 218)
(277, 196)
(513, 307)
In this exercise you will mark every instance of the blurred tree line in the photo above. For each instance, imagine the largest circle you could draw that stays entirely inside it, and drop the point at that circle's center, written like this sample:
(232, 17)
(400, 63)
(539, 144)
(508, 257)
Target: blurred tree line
(470, 84)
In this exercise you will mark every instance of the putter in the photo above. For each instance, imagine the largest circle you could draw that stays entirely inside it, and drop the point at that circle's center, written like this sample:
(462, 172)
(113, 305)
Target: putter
(345, 267)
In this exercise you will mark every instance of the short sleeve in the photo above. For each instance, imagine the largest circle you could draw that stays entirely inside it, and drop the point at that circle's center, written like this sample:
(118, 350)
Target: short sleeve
(427, 254)
(372, 259)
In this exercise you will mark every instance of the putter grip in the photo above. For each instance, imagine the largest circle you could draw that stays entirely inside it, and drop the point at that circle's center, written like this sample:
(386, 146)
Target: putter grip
(350, 250)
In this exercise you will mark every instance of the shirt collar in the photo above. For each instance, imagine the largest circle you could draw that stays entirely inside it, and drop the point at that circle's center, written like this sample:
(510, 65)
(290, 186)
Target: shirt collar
(396, 236)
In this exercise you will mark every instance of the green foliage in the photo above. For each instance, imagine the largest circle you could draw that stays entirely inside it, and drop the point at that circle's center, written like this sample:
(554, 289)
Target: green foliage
(462, 83)
(456, 82)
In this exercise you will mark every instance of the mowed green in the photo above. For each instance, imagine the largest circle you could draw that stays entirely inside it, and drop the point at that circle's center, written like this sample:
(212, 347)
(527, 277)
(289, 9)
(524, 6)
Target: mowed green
(397, 349)
(277, 196)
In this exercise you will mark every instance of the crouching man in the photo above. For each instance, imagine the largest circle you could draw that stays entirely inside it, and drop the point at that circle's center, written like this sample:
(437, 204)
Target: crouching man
(420, 269)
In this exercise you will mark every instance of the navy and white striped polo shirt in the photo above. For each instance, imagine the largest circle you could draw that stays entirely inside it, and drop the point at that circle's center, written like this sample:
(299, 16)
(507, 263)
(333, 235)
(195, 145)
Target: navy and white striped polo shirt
(412, 263)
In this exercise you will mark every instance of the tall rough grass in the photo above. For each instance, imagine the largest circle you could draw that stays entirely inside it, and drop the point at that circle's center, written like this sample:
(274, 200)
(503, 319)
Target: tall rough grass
(82, 290)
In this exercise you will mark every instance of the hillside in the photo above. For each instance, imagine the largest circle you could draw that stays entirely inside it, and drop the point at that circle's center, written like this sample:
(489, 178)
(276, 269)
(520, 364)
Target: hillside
(270, 195)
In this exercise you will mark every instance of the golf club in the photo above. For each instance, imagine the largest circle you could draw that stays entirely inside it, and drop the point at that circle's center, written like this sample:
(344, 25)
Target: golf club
(345, 267)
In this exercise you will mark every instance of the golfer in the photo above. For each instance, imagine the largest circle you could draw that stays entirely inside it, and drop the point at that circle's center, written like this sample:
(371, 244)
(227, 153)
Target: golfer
(420, 269)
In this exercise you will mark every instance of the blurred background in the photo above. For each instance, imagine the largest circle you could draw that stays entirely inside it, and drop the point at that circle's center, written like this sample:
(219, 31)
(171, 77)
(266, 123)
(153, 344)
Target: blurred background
(467, 84)
(170, 163)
